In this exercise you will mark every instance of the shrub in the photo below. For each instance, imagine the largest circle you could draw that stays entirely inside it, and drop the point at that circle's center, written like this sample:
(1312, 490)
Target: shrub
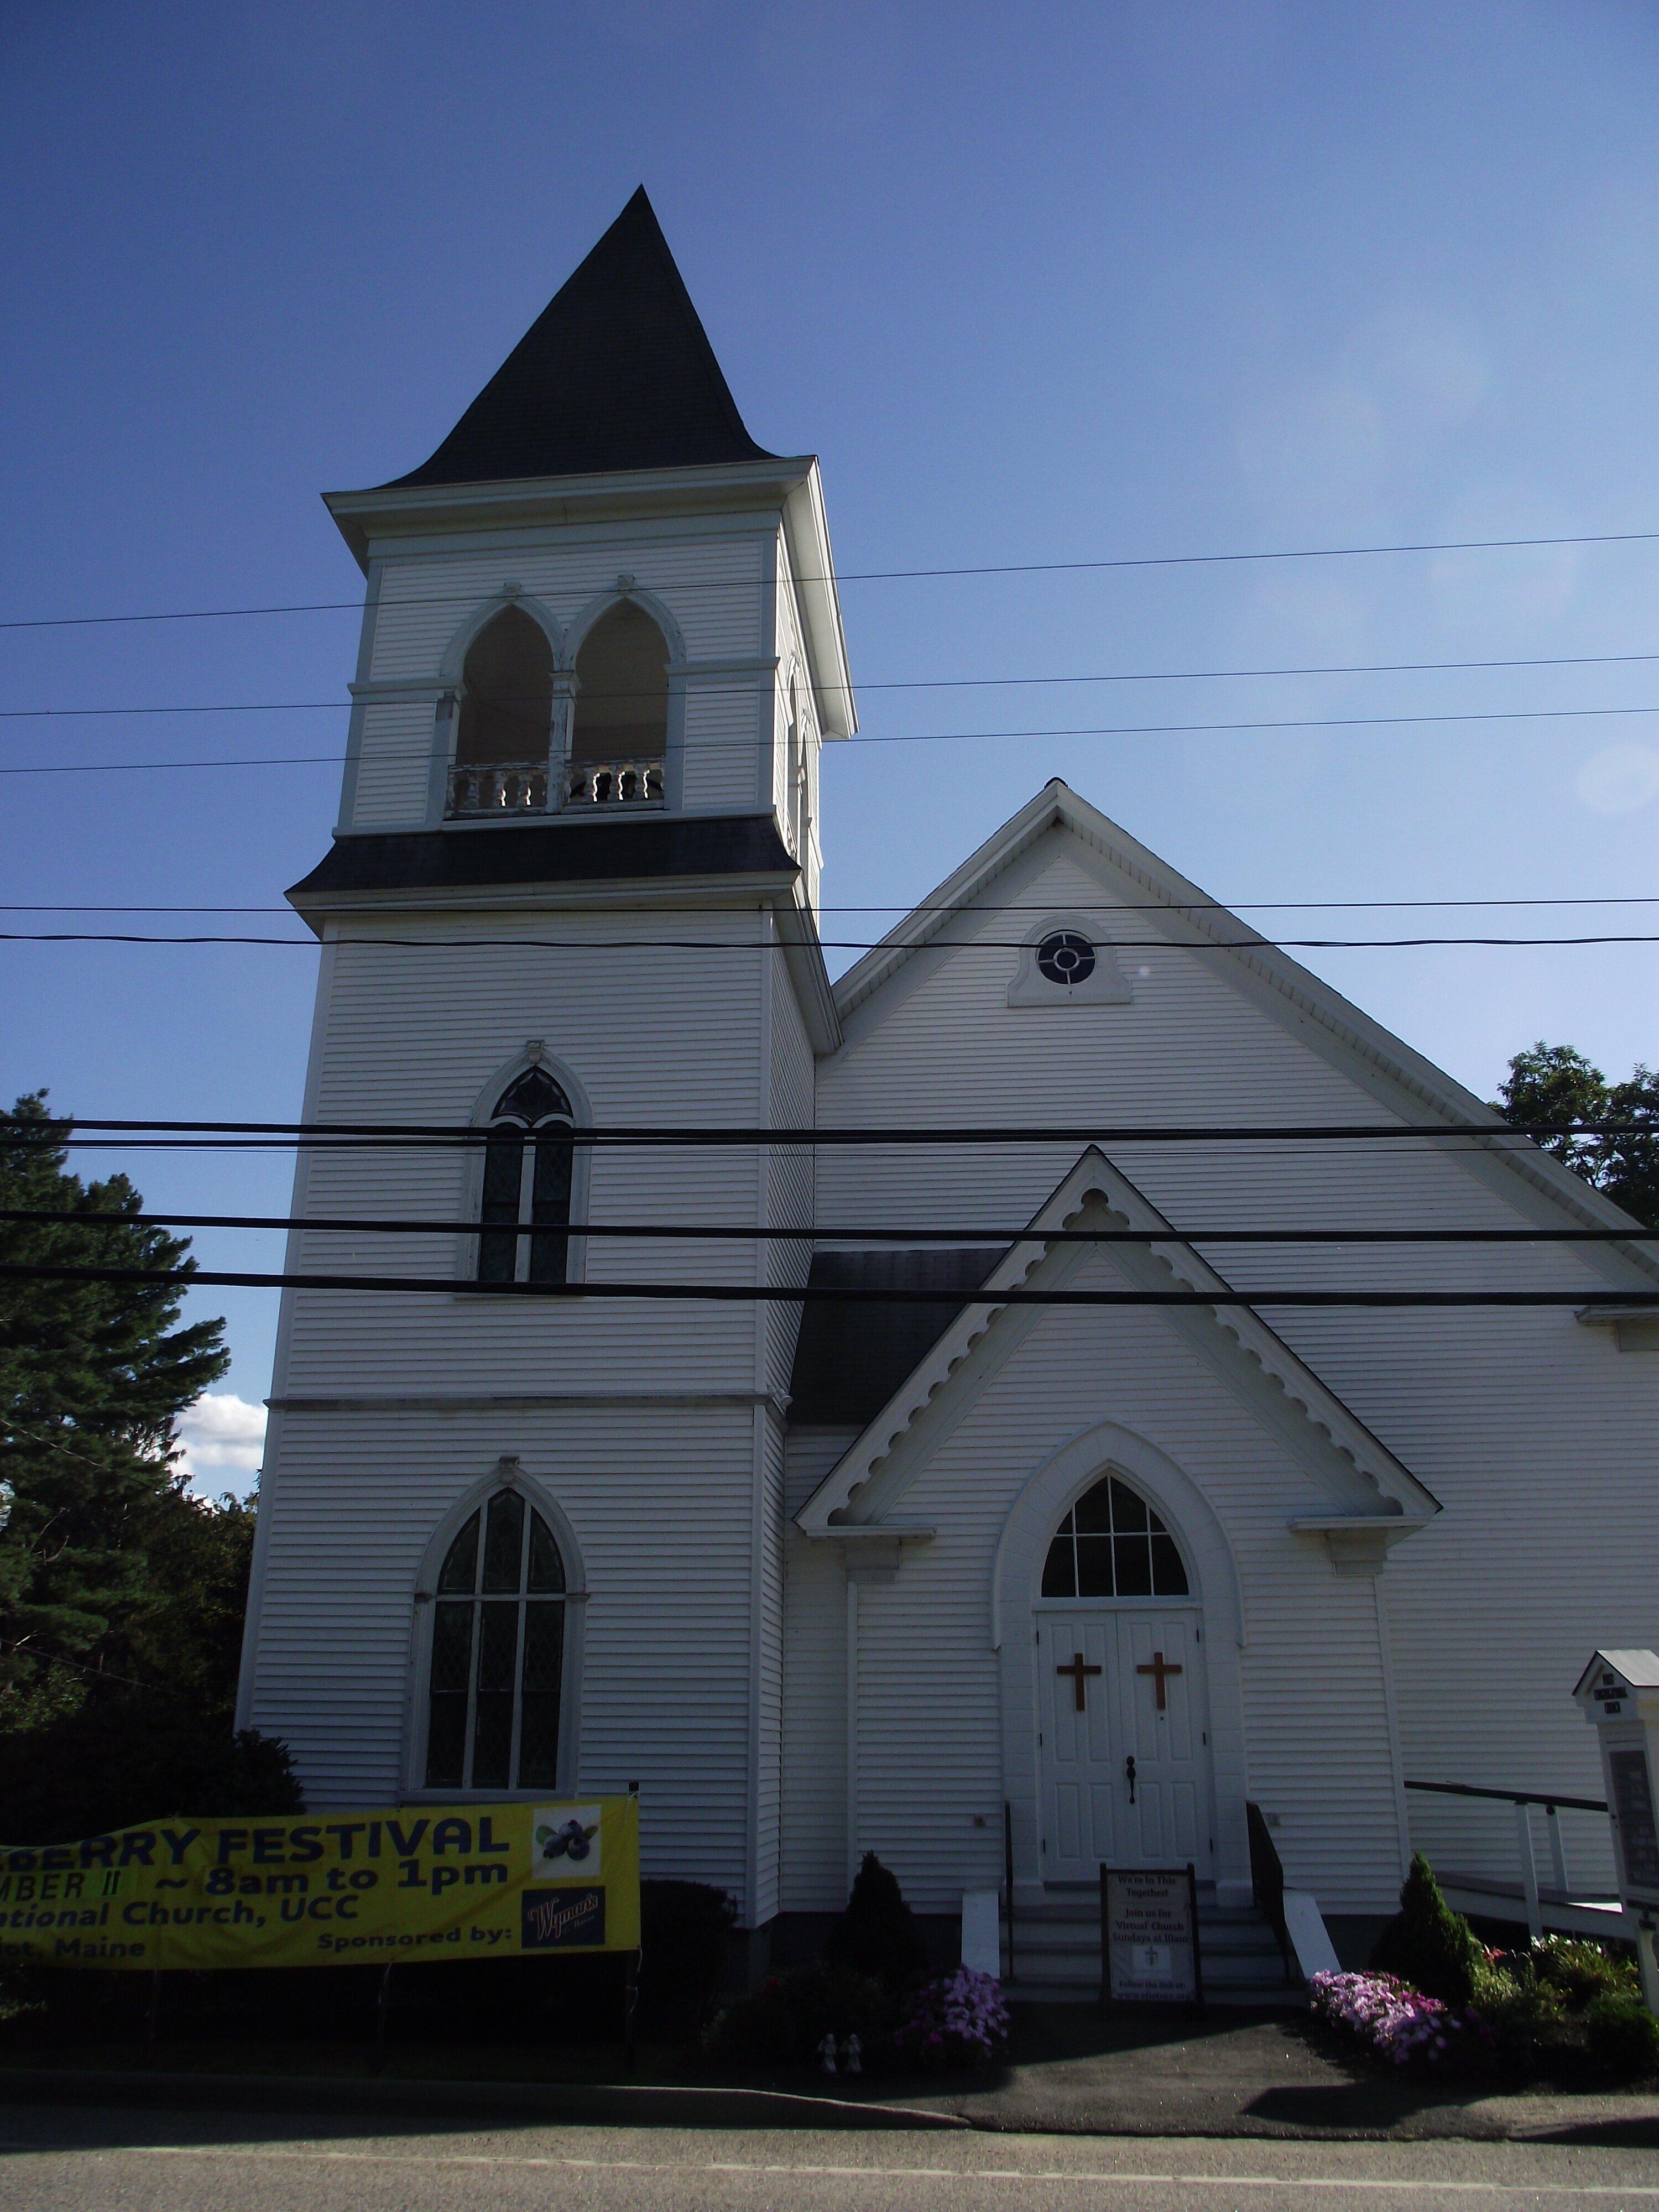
(1583, 1969)
(1397, 2023)
(786, 2019)
(686, 1944)
(877, 1933)
(1621, 2034)
(1426, 1944)
(958, 2021)
(1525, 2014)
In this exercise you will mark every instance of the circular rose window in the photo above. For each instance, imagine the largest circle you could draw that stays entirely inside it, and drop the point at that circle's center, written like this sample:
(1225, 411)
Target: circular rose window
(1066, 959)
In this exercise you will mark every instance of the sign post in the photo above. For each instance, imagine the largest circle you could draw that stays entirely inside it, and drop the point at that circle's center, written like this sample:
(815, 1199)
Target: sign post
(1618, 1692)
(1149, 1936)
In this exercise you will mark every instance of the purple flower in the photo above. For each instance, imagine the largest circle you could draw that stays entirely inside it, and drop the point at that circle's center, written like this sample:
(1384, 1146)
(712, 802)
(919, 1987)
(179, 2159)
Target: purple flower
(960, 2019)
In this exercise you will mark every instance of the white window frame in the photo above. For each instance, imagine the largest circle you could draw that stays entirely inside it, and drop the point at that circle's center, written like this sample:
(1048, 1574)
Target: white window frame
(506, 1474)
(534, 1054)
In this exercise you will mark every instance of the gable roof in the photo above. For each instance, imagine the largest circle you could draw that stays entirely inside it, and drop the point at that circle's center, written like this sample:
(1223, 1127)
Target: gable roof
(615, 373)
(1365, 1481)
(1403, 1081)
(850, 1359)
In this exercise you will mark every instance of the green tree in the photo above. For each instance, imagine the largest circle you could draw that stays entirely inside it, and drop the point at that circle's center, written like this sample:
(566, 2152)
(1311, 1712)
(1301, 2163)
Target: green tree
(1553, 1087)
(92, 1376)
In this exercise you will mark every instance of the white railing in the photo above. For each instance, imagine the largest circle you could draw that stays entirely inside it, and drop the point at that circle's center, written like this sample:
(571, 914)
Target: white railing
(499, 787)
(1555, 1902)
(614, 783)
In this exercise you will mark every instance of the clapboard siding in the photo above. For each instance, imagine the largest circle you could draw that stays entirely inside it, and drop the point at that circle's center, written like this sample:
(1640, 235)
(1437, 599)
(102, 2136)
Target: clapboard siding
(789, 1175)
(723, 769)
(417, 1035)
(659, 1501)
(769, 1761)
(712, 586)
(1535, 1432)
(792, 656)
(1315, 1708)
(394, 758)
(814, 1692)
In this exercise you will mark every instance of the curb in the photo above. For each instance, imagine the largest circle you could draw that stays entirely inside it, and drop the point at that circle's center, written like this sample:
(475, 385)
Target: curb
(607, 2104)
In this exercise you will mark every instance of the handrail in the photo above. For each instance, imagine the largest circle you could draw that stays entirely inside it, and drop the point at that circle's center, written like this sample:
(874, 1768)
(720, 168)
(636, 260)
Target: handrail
(1267, 1884)
(1513, 1796)
(1008, 1876)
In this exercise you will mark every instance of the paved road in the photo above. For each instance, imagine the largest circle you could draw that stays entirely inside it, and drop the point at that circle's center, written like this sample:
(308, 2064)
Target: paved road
(65, 2161)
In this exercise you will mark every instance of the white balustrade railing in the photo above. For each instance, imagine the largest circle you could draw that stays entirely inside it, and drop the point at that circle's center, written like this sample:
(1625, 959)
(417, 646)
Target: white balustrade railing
(614, 783)
(498, 788)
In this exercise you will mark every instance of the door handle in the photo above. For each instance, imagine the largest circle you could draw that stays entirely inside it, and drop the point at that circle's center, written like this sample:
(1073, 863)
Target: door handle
(1129, 1775)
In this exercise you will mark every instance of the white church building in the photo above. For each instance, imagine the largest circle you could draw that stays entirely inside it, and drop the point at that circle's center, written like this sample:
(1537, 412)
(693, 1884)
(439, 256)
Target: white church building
(954, 1533)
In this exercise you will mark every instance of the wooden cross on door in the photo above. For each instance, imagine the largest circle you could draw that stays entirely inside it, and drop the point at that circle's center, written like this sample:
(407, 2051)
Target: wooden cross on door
(1077, 1669)
(1159, 1667)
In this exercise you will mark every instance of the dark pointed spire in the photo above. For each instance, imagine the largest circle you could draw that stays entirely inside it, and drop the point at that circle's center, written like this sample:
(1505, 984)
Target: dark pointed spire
(615, 373)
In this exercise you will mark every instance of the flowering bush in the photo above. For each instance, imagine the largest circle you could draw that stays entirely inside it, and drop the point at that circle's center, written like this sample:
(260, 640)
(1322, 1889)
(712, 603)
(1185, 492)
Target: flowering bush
(960, 2019)
(1395, 2021)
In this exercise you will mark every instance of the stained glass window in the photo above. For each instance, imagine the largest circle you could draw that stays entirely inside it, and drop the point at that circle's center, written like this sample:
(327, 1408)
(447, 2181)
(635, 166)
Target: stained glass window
(526, 1184)
(498, 1624)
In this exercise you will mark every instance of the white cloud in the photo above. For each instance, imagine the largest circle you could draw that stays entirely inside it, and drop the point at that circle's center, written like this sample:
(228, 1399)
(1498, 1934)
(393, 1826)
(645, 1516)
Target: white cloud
(1618, 779)
(223, 1441)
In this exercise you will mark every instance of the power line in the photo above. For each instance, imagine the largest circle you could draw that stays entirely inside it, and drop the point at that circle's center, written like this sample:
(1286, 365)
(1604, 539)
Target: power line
(895, 575)
(1108, 906)
(832, 1232)
(497, 944)
(765, 691)
(759, 688)
(909, 738)
(820, 1294)
(46, 1135)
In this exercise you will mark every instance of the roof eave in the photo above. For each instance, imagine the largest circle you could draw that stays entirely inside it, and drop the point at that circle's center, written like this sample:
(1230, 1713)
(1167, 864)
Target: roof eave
(812, 563)
(392, 511)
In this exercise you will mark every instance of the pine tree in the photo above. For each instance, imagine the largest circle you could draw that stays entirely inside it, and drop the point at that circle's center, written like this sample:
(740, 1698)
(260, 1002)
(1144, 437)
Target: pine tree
(92, 1376)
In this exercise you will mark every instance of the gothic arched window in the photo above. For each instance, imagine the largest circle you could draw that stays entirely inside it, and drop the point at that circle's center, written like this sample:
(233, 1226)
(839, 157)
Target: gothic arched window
(620, 733)
(498, 1650)
(506, 719)
(525, 1207)
(1111, 1544)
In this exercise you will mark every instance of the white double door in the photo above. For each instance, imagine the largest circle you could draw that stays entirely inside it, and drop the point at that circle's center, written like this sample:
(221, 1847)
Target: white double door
(1124, 1749)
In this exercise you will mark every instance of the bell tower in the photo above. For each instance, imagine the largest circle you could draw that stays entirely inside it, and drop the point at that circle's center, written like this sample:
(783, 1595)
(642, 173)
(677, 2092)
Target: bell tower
(573, 884)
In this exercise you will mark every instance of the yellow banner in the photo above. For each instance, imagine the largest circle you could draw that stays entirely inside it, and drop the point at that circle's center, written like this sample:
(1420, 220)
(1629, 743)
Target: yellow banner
(323, 1889)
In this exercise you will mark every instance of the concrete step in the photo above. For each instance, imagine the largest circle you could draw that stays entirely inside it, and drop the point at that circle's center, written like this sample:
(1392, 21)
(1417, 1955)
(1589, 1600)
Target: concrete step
(1045, 1939)
(1056, 1949)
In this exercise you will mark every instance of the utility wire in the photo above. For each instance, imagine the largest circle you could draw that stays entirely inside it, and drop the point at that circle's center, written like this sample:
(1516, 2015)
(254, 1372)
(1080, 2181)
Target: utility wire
(902, 737)
(496, 945)
(894, 575)
(834, 1232)
(758, 687)
(1109, 906)
(44, 1135)
(766, 691)
(823, 1294)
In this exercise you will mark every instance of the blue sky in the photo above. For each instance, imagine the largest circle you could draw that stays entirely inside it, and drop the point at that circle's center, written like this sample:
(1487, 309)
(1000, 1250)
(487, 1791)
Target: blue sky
(1036, 284)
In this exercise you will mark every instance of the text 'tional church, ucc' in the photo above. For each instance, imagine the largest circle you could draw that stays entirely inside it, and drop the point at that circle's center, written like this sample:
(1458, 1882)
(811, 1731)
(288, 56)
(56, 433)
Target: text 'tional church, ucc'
(833, 1577)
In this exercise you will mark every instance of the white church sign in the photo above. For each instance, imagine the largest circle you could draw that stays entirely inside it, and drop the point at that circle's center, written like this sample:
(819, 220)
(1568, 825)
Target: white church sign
(1148, 1936)
(1618, 1692)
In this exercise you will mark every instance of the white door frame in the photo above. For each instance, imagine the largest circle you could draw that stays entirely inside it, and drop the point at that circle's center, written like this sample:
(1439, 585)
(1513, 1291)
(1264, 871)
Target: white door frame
(1115, 1610)
(1015, 1585)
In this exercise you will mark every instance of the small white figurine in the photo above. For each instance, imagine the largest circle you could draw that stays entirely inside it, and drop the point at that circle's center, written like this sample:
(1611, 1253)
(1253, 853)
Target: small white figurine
(852, 2056)
(827, 2054)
